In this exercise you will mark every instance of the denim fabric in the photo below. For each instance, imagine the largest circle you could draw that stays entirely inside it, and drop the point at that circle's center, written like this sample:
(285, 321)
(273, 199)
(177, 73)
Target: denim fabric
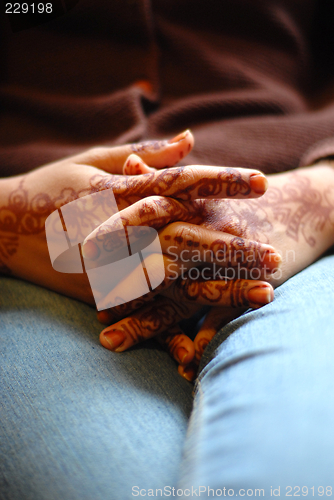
(76, 420)
(80, 422)
(264, 407)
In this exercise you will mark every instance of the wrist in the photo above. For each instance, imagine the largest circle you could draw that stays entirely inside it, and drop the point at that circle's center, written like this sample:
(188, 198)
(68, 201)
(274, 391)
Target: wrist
(9, 238)
(321, 198)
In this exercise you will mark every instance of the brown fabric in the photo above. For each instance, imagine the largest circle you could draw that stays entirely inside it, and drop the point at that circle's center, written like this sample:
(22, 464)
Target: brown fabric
(253, 79)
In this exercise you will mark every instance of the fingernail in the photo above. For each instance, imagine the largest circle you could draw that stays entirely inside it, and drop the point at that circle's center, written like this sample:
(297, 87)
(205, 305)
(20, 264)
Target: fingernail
(114, 338)
(258, 183)
(179, 137)
(188, 372)
(90, 250)
(260, 295)
(271, 260)
(182, 353)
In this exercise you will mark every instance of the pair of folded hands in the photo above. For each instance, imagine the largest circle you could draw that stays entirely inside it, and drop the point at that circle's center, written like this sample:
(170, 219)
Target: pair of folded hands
(226, 240)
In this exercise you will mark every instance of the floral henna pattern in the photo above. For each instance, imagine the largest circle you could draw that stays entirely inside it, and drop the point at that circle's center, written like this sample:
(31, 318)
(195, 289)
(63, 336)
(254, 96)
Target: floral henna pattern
(213, 292)
(312, 213)
(230, 181)
(24, 216)
(303, 211)
(233, 181)
(243, 219)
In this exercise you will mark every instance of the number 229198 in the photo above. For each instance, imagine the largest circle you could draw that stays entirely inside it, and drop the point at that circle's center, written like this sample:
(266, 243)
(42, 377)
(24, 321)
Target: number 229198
(29, 8)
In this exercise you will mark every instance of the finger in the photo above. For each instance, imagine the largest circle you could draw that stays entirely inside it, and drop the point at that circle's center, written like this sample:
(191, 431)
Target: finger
(110, 316)
(173, 340)
(179, 346)
(173, 269)
(226, 293)
(193, 182)
(156, 153)
(188, 372)
(180, 287)
(134, 165)
(148, 322)
(190, 242)
(187, 182)
(155, 212)
(216, 319)
(199, 292)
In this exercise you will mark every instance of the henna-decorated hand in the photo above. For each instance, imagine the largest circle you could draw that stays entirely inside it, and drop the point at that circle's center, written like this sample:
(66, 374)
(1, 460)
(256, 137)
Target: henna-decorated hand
(27, 200)
(296, 216)
(185, 245)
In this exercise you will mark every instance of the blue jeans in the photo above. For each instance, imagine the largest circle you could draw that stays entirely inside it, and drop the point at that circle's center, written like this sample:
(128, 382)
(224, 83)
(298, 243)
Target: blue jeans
(81, 423)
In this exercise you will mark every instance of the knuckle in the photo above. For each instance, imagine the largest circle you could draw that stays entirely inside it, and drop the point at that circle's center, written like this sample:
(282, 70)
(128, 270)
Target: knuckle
(150, 207)
(189, 174)
(98, 151)
(185, 235)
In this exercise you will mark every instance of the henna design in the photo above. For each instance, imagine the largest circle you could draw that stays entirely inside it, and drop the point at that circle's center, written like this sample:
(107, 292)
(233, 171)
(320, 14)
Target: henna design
(25, 217)
(148, 146)
(230, 181)
(233, 180)
(155, 319)
(126, 308)
(312, 213)
(249, 218)
(172, 339)
(246, 219)
(238, 252)
(22, 216)
(156, 213)
(213, 291)
(252, 219)
(245, 254)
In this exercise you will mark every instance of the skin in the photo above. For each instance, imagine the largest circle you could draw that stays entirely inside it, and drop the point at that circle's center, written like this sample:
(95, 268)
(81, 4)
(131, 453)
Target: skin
(27, 200)
(295, 215)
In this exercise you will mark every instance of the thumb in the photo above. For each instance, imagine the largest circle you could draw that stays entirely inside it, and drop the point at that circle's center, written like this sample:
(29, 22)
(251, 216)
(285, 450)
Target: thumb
(134, 165)
(157, 154)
